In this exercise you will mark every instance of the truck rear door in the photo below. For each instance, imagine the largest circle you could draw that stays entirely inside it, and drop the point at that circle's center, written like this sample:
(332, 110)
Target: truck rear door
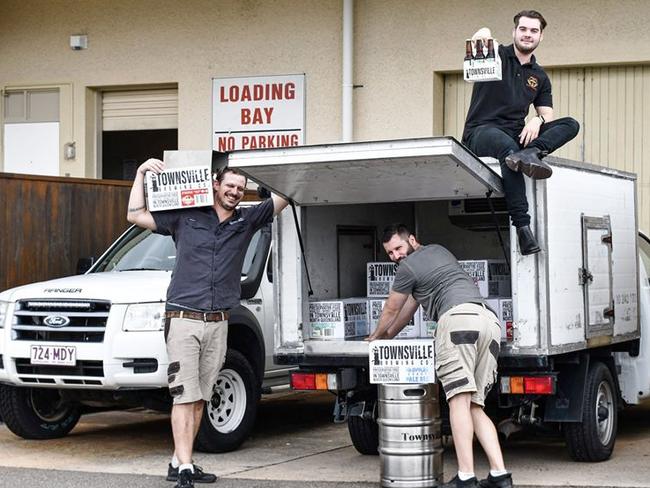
(437, 168)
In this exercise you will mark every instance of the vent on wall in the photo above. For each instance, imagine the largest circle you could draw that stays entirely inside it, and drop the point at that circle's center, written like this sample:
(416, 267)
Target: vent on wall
(475, 213)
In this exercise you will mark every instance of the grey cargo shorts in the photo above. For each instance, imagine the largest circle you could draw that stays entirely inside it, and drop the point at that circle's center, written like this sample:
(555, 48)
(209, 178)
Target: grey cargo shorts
(196, 352)
(467, 347)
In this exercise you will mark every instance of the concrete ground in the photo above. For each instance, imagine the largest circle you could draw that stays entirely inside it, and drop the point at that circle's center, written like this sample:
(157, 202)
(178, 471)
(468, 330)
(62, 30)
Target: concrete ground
(295, 441)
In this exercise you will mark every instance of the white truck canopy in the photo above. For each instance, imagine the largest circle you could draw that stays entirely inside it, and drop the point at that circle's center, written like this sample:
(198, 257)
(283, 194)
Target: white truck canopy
(437, 168)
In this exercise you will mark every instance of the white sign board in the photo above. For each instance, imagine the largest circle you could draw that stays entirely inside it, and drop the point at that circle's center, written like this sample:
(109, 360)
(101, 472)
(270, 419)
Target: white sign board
(258, 112)
(404, 361)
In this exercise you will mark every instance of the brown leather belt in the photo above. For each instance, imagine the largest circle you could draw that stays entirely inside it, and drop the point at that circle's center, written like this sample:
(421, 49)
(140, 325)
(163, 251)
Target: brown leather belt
(204, 316)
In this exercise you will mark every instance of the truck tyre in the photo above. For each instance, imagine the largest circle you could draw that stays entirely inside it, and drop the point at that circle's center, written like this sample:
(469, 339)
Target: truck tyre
(364, 434)
(592, 440)
(229, 416)
(37, 413)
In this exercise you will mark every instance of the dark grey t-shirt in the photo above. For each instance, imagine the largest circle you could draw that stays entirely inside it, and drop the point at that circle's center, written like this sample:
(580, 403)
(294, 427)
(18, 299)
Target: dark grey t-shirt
(435, 279)
(209, 254)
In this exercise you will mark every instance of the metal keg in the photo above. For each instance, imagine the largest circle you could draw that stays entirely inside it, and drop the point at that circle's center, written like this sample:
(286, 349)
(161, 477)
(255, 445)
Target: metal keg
(410, 445)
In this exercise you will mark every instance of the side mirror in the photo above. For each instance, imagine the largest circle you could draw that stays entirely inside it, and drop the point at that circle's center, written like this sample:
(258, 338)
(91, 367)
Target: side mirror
(84, 264)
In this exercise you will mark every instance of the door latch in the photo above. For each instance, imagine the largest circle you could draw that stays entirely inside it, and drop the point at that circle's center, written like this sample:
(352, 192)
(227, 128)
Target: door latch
(584, 276)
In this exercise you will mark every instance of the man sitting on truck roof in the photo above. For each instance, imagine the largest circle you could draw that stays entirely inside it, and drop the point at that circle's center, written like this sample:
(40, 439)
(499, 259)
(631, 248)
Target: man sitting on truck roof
(466, 349)
(496, 126)
(211, 243)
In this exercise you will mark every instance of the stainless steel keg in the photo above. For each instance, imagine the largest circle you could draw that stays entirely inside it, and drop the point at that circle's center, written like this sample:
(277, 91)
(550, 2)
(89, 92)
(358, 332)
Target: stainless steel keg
(410, 446)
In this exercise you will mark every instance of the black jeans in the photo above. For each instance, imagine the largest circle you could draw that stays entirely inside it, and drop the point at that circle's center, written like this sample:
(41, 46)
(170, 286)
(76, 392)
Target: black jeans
(496, 142)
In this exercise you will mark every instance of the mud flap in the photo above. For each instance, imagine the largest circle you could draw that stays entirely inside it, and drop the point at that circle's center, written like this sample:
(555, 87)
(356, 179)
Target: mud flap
(567, 404)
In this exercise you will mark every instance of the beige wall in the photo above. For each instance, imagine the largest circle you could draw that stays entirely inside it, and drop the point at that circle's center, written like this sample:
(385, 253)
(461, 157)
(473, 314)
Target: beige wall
(398, 47)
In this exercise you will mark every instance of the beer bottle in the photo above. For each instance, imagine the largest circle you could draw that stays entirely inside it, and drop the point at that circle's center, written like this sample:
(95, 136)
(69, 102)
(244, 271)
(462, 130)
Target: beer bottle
(468, 50)
(479, 50)
(490, 49)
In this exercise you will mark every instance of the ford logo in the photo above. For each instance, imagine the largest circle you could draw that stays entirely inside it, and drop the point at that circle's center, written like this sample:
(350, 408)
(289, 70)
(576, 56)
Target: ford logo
(56, 321)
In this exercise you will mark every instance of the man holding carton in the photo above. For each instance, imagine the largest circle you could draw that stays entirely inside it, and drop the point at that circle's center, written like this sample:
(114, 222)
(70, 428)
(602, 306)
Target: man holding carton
(211, 243)
(496, 126)
(467, 344)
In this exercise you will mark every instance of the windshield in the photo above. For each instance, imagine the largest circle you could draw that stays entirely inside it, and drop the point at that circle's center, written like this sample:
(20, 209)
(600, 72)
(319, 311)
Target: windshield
(141, 249)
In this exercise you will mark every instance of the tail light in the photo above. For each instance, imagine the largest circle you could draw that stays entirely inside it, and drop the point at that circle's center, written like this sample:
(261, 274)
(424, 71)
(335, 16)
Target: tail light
(528, 385)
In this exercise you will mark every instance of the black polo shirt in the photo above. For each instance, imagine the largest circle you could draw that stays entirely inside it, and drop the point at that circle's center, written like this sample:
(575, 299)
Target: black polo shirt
(209, 254)
(506, 103)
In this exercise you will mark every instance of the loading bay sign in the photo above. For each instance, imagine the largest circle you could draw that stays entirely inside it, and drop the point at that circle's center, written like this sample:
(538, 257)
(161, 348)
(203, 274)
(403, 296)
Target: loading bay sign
(258, 112)
(402, 361)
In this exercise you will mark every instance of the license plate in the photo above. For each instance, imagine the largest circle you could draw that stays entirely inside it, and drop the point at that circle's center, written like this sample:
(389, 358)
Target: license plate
(54, 355)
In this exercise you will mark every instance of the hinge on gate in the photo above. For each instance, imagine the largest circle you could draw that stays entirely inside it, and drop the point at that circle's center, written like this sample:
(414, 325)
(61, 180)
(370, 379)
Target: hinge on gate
(606, 239)
(584, 276)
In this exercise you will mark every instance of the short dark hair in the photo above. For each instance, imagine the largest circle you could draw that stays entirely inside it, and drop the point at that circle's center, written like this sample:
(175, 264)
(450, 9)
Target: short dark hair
(531, 14)
(401, 229)
(222, 172)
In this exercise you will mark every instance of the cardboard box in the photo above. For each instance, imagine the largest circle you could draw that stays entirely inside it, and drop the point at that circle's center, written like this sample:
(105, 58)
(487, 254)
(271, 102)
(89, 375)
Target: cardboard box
(483, 65)
(427, 324)
(338, 319)
(488, 276)
(410, 331)
(379, 278)
(186, 181)
(505, 317)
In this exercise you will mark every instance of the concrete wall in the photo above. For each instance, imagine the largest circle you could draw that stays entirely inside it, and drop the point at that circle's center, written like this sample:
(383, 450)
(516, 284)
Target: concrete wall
(399, 46)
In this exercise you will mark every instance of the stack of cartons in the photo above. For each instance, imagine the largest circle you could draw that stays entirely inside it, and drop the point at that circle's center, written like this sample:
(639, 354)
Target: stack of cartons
(410, 331)
(490, 275)
(338, 319)
(353, 318)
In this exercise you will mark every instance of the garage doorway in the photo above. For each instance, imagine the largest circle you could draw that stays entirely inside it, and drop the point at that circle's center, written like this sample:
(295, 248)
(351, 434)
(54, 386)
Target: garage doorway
(136, 125)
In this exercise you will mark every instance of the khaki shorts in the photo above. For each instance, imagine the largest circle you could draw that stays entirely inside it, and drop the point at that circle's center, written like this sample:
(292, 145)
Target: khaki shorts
(196, 351)
(467, 347)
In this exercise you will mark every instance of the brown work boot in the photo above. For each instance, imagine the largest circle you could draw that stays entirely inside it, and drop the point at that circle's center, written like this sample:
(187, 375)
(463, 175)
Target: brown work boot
(528, 162)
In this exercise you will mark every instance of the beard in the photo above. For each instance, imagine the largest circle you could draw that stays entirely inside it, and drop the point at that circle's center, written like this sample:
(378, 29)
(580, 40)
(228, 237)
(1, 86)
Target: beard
(525, 49)
(226, 204)
(409, 250)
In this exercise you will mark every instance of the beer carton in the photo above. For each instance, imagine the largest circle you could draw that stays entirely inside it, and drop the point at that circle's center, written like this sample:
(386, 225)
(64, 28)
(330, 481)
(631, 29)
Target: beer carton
(427, 324)
(338, 319)
(186, 181)
(499, 281)
(489, 276)
(482, 62)
(410, 331)
(379, 278)
(505, 318)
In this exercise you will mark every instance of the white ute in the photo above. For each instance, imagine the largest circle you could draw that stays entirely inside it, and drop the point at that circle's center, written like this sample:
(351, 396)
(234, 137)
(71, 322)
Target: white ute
(96, 340)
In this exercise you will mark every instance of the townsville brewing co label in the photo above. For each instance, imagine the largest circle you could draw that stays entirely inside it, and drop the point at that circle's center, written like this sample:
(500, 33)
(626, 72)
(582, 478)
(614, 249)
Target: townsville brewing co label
(179, 188)
(404, 361)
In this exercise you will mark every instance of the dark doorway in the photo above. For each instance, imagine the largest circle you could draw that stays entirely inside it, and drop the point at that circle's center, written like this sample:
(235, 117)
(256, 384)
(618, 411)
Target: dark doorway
(124, 150)
(355, 247)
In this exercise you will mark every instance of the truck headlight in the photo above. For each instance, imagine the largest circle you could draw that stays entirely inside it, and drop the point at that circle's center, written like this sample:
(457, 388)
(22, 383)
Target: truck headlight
(4, 306)
(144, 317)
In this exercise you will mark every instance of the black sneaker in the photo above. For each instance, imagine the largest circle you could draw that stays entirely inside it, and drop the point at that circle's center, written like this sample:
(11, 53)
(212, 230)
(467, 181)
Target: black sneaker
(456, 482)
(528, 161)
(198, 477)
(185, 479)
(503, 481)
